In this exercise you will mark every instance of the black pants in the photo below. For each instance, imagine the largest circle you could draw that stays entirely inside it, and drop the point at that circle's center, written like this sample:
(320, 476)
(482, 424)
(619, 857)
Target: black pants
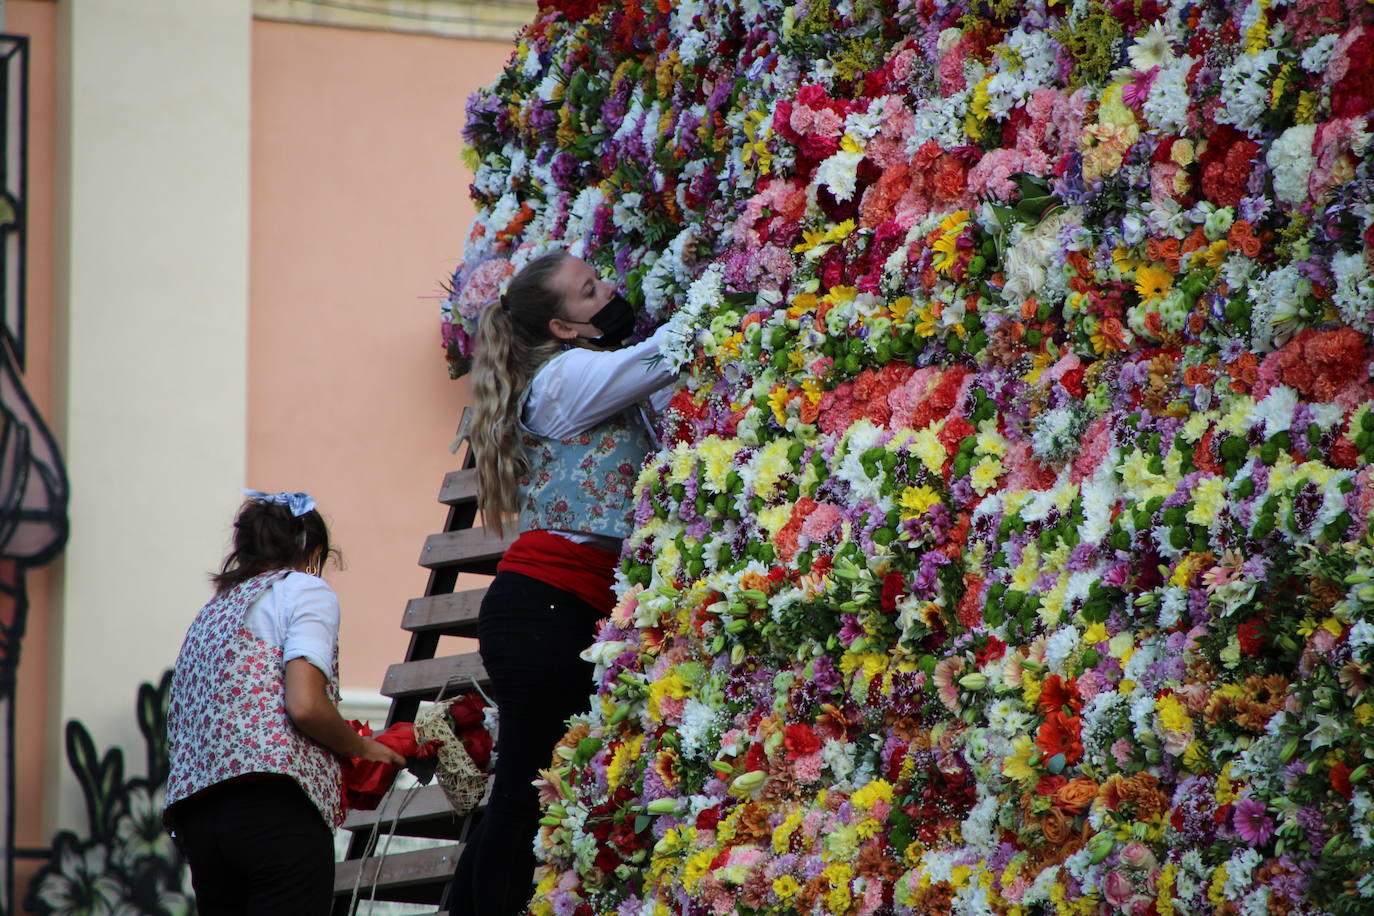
(531, 635)
(257, 848)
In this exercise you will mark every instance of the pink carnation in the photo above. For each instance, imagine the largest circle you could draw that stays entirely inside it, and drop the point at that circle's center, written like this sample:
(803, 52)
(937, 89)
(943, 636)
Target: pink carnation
(807, 768)
(822, 522)
(1096, 443)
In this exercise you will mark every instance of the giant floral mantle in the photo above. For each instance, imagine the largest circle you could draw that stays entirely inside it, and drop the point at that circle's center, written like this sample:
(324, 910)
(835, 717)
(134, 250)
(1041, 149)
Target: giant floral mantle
(1009, 552)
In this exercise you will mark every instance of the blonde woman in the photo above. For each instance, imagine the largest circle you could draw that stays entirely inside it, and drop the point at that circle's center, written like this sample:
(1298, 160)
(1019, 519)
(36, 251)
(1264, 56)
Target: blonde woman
(559, 440)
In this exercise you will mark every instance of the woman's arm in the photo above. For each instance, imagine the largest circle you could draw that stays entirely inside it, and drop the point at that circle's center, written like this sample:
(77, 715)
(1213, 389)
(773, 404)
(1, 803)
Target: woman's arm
(311, 711)
(581, 387)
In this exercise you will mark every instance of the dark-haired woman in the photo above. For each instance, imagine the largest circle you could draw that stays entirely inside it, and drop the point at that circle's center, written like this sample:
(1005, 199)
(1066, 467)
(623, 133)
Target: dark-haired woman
(559, 441)
(253, 730)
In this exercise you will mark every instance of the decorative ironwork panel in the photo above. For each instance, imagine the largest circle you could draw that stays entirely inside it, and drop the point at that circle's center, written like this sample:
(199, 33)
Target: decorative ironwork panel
(14, 147)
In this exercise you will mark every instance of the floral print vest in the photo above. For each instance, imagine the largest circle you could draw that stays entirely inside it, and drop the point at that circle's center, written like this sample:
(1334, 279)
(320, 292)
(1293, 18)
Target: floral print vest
(227, 713)
(585, 482)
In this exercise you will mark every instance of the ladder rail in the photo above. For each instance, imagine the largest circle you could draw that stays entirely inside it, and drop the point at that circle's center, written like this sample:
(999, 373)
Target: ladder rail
(422, 876)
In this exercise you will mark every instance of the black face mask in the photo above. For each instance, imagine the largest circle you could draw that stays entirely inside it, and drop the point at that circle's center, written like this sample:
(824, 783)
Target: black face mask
(615, 320)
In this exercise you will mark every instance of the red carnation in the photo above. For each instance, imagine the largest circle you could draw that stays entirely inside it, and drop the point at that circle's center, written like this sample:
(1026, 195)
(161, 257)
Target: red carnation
(1353, 96)
(1072, 381)
(1226, 165)
(894, 590)
(1251, 640)
(1344, 454)
(708, 818)
(1319, 364)
(799, 740)
(1340, 780)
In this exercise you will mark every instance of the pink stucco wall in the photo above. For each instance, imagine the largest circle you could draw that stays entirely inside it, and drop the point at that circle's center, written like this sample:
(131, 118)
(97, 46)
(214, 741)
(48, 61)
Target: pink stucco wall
(37, 20)
(359, 211)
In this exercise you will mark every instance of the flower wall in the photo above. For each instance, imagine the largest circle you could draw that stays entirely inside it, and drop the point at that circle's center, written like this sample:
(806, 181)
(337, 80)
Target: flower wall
(1009, 548)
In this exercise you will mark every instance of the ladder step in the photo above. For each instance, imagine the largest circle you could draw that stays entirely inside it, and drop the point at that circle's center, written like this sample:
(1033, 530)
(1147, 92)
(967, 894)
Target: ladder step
(424, 678)
(427, 813)
(454, 614)
(468, 550)
(418, 876)
(460, 487)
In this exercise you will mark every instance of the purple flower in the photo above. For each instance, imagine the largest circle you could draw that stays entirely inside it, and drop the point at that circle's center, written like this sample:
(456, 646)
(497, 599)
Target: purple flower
(1252, 822)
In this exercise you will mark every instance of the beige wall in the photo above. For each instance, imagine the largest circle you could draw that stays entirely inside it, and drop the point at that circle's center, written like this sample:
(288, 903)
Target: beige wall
(359, 213)
(152, 287)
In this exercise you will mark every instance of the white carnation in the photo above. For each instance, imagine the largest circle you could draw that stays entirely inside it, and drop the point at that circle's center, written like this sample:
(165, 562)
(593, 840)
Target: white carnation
(1166, 106)
(1290, 161)
(839, 173)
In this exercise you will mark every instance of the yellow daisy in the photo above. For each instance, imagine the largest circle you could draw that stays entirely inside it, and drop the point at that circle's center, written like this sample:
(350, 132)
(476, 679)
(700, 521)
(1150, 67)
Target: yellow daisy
(1153, 282)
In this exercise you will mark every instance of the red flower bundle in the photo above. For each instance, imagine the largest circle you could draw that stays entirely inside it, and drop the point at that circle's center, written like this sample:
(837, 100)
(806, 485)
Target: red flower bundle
(467, 713)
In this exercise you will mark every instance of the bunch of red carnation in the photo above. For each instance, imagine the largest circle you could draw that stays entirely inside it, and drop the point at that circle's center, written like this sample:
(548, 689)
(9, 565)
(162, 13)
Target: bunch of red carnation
(468, 713)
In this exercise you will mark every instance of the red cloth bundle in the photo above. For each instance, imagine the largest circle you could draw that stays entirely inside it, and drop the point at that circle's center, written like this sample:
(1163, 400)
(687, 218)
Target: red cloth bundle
(366, 781)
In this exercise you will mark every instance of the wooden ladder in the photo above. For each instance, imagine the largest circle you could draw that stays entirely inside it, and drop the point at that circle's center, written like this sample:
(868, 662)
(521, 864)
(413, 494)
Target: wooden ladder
(421, 876)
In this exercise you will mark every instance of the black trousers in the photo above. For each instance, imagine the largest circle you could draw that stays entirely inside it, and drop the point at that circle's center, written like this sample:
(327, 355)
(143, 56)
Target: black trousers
(530, 635)
(257, 848)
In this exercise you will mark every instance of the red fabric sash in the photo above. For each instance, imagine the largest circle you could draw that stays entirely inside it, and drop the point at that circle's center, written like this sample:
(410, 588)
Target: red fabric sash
(578, 569)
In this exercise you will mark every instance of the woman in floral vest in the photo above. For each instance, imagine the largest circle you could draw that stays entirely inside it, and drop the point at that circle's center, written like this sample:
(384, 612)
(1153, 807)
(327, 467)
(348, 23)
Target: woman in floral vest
(559, 440)
(253, 731)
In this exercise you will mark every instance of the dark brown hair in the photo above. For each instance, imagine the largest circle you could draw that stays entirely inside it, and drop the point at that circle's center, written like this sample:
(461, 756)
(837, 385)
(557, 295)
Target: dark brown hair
(268, 537)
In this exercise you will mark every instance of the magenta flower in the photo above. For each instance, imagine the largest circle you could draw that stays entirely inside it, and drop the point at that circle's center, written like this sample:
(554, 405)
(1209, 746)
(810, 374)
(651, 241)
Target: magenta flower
(1252, 822)
(1134, 94)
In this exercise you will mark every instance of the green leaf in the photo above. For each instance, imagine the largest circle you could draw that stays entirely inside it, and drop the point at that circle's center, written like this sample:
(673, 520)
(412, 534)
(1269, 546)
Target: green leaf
(100, 779)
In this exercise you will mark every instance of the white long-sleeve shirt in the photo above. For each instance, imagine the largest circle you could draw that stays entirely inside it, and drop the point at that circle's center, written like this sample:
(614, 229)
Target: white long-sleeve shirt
(300, 613)
(579, 388)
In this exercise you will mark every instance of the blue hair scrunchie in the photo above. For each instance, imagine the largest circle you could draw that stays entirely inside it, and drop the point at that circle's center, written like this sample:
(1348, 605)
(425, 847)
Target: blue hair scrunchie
(297, 503)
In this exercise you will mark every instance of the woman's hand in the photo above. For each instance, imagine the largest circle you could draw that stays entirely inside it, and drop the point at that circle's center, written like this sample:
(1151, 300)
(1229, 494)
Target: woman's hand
(376, 751)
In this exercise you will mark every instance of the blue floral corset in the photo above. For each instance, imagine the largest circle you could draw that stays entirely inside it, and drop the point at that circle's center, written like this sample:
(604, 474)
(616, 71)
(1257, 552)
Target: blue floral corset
(585, 482)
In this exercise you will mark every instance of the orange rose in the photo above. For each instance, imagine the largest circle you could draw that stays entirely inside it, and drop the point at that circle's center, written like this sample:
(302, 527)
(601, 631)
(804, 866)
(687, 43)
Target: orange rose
(1055, 827)
(1075, 796)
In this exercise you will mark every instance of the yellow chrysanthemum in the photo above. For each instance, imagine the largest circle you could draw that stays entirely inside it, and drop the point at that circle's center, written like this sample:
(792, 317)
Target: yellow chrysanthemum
(668, 686)
(985, 475)
(917, 501)
(716, 455)
(875, 791)
(1172, 715)
(622, 760)
(1209, 496)
(838, 874)
(926, 444)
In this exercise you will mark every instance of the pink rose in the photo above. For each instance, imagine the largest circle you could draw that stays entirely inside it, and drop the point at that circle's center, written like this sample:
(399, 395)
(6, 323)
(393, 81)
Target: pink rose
(1138, 855)
(1117, 889)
